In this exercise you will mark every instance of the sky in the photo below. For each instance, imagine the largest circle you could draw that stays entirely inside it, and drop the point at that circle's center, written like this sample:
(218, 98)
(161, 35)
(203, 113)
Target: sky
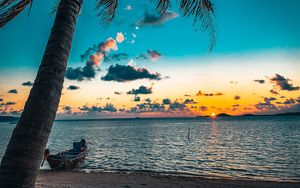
(148, 65)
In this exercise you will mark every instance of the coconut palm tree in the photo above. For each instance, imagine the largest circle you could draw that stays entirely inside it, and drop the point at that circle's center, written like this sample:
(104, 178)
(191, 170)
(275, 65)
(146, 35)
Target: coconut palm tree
(21, 161)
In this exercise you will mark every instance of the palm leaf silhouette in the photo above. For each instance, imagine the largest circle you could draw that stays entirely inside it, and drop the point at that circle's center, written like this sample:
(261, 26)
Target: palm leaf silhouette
(9, 9)
(201, 11)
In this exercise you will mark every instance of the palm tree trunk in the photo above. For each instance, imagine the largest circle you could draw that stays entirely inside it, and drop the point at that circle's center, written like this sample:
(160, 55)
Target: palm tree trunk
(20, 164)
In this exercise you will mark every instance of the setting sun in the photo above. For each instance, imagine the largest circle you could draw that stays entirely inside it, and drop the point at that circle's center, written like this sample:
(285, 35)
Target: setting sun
(213, 114)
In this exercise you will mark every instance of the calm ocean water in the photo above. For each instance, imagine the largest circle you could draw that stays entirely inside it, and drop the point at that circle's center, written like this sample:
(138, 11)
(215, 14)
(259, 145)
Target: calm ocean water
(246, 147)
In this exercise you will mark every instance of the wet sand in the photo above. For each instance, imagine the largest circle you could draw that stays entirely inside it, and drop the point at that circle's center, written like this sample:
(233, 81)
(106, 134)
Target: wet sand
(58, 179)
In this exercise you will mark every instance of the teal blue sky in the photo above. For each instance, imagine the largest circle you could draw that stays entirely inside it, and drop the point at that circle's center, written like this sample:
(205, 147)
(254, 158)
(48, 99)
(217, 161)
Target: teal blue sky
(242, 26)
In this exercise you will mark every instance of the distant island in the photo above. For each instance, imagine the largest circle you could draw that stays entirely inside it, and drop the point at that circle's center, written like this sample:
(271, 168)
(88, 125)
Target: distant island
(249, 115)
(223, 115)
(8, 119)
(14, 119)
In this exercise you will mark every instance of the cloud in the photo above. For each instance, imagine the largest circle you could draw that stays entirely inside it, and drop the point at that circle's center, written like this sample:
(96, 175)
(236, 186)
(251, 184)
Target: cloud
(233, 82)
(166, 101)
(177, 107)
(8, 104)
(269, 99)
(200, 93)
(137, 99)
(116, 57)
(90, 51)
(80, 74)
(289, 101)
(123, 73)
(150, 54)
(147, 107)
(109, 108)
(98, 109)
(67, 109)
(203, 108)
(156, 20)
(267, 104)
(143, 56)
(290, 105)
(94, 57)
(156, 107)
(72, 87)
(117, 93)
(148, 100)
(262, 106)
(272, 91)
(93, 108)
(122, 110)
(141, 90)
(120, 37)
(110, 44)
(247, 108)
(96, 53)
(154, 55)
(260, 81)
(283, 83)
(235, 107)
(173, 107)
(28, 83)
(13, 91)
(292, 108)
(190, 101)
(128, 7)
(237, 97)
(272, 99)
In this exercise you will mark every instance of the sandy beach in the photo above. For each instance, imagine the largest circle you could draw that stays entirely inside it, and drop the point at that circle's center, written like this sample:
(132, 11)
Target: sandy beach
(56, 179)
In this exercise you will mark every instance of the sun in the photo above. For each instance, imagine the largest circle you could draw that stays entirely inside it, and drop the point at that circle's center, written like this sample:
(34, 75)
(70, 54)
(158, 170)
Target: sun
(213, 114)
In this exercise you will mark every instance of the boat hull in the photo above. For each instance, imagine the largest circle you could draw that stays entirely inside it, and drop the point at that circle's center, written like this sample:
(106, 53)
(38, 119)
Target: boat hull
(61, 162)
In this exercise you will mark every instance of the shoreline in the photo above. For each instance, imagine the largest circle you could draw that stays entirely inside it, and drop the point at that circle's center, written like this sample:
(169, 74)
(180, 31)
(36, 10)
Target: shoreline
(67, 179)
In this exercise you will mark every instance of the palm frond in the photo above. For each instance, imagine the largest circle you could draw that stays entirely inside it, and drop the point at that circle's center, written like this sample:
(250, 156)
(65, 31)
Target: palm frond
(162, 5)
(6, 2)
(9, 9)
(54, 6)
(107, 9)
(203, 13)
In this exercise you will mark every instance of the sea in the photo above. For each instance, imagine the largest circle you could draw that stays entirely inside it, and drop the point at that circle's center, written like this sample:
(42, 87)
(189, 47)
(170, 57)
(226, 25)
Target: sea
(259, 147)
